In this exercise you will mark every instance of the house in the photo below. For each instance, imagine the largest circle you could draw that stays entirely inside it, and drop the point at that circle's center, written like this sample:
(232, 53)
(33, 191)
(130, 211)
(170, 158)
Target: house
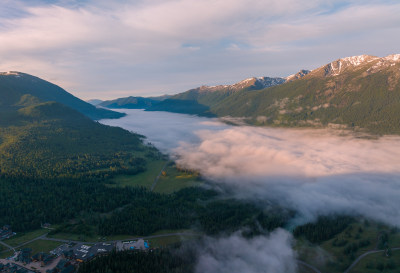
(24, 256)
(6, 232)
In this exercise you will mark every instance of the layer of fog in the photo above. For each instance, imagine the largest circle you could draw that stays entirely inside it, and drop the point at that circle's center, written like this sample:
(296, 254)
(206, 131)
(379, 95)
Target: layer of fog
(235, 254)
(164, 130)
(314, 172)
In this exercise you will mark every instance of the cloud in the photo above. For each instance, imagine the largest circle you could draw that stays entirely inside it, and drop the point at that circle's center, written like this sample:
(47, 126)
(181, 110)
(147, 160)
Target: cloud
(236, 254)
(98, 46)
(315, 172)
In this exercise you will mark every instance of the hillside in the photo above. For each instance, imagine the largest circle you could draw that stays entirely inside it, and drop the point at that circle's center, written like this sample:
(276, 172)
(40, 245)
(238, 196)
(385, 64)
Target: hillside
(201, 100)
(42, 138)
(133, 102)
(50, 140)
(19, 89)
(360, 92)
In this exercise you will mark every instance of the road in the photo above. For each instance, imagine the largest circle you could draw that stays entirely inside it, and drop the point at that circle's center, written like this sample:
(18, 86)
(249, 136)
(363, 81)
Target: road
(363, 256)
(115, 241)
(44, 237)
(7, 246)
(308, 266)
(158, 177)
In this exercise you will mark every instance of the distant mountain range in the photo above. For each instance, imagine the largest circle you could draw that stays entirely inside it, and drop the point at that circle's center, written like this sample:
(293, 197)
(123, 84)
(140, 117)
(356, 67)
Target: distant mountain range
(359, 92)
(131, 102)
(20, 90)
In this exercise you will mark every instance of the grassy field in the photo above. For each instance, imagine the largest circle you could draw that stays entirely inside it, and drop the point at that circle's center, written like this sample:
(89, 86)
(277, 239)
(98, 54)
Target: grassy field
(143, 179)
(6, 254)
(174, 180)
(22, 237)
(165, 241)
(75, 237)
(42, 246)
(170, 181)
(378, 262)
(334, 256)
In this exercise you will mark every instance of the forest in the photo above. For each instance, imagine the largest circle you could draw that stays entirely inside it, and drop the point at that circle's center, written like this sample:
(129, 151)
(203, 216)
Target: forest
(160, 261)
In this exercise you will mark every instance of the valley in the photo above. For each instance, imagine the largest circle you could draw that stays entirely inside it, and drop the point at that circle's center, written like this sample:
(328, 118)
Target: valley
(310, 193)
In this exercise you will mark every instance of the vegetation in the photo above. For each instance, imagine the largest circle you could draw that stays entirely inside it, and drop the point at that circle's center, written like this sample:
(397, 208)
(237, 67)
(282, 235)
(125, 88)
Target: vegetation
(356, 99)
(51, 141)
(161, 260)
(379, 262)
(133, 102)
(20, 90)
(337, 253)
(325, 228)
(188, 208)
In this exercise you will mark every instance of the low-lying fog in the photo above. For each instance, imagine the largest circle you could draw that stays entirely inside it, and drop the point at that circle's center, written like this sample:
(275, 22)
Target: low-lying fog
(315, 172)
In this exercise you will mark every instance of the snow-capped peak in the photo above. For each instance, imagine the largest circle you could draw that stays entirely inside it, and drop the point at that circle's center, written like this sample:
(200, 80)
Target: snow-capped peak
(393, 57)
(9, 73)
(357, 60)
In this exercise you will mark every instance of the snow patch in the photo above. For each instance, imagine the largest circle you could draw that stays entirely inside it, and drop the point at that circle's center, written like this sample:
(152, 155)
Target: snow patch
(394, 57)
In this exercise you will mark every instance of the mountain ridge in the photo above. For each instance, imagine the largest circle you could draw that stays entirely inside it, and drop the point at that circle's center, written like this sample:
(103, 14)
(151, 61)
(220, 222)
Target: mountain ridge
(358, 93)
(15, 86)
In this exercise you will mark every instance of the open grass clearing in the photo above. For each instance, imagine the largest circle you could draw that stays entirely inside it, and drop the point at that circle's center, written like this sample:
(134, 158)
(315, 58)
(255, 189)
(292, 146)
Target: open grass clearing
(42, 246)
(23, 237)
(6, 254)
(174, 179)
(378, 262)
(75, 237)
(169, 240)
(143, 179)
(329, 257)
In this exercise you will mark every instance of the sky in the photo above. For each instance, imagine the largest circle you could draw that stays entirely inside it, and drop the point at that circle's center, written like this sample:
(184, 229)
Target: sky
(109, 49)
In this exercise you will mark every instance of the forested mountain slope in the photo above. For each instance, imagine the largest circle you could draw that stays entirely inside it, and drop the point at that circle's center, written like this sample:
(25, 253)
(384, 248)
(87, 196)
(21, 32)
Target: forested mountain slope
(360, 92)
(19, 89)
(45, 139)
(133, 102)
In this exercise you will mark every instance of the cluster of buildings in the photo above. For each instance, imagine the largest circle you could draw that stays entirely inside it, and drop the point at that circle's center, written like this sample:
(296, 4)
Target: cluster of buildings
(13, 268)
(65, 258)
(6, 232)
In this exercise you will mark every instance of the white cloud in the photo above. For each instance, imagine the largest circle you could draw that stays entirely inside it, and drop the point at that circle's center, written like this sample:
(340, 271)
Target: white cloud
(309, 171)
(137, 45)
(235, 254)
(314, 172)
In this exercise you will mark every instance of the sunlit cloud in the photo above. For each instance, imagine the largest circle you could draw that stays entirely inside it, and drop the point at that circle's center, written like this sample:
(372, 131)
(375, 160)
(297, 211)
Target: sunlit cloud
(314, 172)
(91, 46)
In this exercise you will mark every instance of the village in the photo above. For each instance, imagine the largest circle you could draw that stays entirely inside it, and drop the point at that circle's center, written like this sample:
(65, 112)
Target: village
(66, 258)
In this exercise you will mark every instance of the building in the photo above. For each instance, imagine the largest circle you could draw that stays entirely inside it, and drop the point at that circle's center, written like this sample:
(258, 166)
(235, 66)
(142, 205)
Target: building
(133, 245)
(6, 232)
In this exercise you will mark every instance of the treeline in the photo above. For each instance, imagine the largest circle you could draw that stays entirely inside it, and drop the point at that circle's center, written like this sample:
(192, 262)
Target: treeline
(48, 142)
(108, 211)
(325, 228)
(25, 204)
(160, 261)
(190, 208)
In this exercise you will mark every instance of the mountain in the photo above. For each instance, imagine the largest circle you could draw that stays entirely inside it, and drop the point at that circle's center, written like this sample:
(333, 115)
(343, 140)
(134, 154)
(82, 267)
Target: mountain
(94, 102)
(43, 139)
(19, 89)
(201, 100)
(133, 102)
(359, 92)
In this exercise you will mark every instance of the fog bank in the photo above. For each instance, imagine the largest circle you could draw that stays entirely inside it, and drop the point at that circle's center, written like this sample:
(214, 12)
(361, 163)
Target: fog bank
(315, 172)
(236, 254)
